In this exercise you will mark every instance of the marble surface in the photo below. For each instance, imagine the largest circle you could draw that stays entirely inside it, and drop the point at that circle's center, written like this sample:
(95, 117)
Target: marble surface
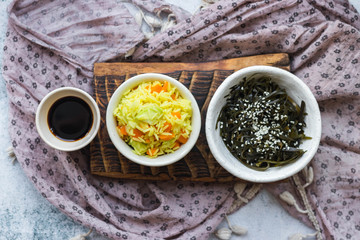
(25, 214)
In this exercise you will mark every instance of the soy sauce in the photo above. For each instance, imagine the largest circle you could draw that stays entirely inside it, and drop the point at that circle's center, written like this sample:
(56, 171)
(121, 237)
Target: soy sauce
(70, 118)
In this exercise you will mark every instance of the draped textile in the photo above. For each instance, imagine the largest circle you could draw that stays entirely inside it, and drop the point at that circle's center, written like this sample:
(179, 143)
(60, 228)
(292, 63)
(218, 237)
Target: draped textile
(50, 44)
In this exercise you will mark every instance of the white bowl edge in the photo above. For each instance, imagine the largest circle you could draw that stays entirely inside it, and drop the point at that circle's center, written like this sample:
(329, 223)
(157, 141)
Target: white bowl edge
(43, 128)
(228, 161)
(125, 149)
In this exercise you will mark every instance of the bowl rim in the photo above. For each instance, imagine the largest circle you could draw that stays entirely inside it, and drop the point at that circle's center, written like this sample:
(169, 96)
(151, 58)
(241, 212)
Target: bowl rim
(125, 149)
(210, 130)
(71, 145)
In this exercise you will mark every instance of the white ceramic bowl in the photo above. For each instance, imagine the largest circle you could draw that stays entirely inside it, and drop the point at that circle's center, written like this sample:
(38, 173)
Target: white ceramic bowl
(125, 149)
(298, 91)
(42, 119)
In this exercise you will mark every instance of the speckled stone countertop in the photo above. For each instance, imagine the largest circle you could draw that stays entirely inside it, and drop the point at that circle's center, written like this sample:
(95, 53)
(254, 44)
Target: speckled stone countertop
(25, 214)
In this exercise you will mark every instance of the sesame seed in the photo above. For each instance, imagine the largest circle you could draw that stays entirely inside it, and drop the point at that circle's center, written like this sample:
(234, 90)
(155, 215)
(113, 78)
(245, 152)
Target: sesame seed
(259, 125)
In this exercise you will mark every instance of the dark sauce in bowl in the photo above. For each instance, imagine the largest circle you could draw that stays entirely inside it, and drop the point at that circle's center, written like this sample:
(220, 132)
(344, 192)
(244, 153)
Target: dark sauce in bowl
(70, 118)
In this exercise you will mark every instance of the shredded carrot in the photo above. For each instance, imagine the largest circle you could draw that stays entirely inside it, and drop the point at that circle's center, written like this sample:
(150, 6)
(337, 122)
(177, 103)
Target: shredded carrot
(166, 137)
(176, 145)
(151, 117)
(182, 139)
(165, 86)
(167, 127)
(156, 88)
(123, 130)
(152, 151)
(138, 133)
(176, 114)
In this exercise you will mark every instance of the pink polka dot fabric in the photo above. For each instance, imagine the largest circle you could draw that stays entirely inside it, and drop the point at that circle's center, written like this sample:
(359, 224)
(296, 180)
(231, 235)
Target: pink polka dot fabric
(50, 44)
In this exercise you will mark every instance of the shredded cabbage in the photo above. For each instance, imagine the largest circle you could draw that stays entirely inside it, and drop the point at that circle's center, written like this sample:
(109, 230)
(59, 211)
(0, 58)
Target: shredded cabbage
(153, 118)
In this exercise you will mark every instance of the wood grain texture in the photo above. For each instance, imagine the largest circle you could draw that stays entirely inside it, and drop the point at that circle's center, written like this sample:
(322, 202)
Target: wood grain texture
(202, 79)
(280, 60)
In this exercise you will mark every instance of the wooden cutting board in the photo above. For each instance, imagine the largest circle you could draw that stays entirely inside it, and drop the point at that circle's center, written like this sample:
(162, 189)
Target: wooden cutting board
(202, 79)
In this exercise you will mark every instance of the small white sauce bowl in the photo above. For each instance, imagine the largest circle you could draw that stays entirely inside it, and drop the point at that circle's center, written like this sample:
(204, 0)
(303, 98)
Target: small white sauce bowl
(127, 150)
(43, 127)
(298, 91)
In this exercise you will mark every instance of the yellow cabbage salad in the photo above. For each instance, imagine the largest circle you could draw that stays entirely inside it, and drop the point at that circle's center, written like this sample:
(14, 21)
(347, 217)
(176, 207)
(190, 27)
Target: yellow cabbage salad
(153, 118)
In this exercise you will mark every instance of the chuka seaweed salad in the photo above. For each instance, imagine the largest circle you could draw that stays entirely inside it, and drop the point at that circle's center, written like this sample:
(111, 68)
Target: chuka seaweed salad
(261, 125)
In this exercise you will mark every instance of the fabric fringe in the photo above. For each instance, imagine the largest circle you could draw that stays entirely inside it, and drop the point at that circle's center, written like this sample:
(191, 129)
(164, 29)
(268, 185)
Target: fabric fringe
(226, 233)
(205, 3)
(289, 199)
(241, 198)
(299, 236)
(82, 236)
(11, 153)
(154, 22)
(239, 189)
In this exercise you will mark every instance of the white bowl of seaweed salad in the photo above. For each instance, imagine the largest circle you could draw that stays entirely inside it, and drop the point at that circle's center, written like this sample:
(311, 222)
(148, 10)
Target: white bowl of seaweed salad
(263, 124)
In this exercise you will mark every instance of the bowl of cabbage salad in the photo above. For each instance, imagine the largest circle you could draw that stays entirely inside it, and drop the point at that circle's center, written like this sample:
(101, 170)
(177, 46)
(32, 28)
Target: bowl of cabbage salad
(153, 119)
